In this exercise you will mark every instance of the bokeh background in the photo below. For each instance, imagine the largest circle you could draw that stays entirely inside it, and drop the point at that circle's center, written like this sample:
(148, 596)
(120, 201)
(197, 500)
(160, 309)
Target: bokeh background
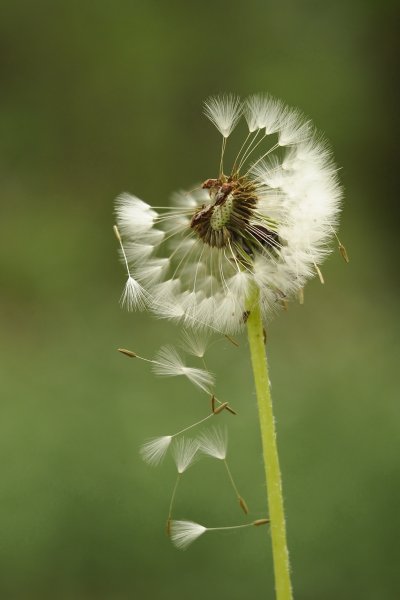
(101, 97)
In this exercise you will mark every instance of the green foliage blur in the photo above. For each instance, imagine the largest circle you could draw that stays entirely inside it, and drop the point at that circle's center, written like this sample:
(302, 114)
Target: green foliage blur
(101, 97)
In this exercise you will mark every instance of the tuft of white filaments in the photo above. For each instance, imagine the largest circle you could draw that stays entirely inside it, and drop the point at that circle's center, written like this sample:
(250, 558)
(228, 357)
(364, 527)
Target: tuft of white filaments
(224, 112)
(168, 363)
(265, 224)
(184, 533)
(194, 342)
(154, 450)
(184, 452)
(214, 443)
(263, 112)
(134, 295)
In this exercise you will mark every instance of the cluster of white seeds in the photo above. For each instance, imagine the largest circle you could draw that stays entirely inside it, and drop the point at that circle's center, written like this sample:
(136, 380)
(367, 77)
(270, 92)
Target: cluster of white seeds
(266, 223)
(212, 442)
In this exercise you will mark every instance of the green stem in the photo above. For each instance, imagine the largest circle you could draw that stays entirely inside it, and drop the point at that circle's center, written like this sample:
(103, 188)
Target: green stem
(280, 554)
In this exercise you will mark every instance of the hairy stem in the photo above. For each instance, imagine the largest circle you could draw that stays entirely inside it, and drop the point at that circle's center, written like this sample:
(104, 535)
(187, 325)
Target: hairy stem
(270, 451)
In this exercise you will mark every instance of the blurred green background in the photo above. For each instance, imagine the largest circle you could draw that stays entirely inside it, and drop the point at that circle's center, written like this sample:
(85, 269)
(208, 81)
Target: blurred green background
(102, 97)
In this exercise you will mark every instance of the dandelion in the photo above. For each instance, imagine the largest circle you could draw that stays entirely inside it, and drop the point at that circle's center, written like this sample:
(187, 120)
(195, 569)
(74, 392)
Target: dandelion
(228, 254)
(184, 533)
(214, 443)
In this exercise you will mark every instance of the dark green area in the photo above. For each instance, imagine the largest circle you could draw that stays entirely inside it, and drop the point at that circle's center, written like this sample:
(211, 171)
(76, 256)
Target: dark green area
(101, 97)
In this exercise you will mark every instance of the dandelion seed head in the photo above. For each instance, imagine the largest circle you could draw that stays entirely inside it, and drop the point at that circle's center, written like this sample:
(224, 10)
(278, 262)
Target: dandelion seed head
(267, 222)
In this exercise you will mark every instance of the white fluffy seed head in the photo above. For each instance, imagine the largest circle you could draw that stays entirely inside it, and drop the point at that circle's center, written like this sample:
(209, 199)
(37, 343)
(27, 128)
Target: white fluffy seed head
(168, 363)
(184, 452)
(214, 443)
(183, 533)
(153, 451)
(266, 224)
(224, 112)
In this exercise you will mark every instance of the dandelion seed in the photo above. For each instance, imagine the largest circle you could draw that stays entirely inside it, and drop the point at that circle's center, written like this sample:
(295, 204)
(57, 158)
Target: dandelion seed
(134, 296)
(343, 253)
(184, 453)
(168, 363)
(184, 533)
(127, 353)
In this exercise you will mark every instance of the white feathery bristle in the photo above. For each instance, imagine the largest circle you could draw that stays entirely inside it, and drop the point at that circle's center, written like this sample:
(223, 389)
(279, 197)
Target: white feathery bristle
(239, 285)
(136, 252)
(263, 111)
(229, 312)
(224, 112)
(152, 271)
(294, 128)
(183, 533)
(154, 450)
(184, 452)
(214, 443)
(167, 310)
(134, 217)
(195, 342)
(134, 296)
(185, 199)
(268, 172)
(168, 363)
